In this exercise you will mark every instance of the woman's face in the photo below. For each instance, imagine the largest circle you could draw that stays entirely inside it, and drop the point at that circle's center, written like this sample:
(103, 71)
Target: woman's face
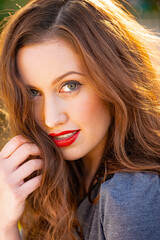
(65, 105)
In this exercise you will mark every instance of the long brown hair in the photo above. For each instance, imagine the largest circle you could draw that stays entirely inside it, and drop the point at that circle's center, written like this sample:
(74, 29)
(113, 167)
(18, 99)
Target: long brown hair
(120, 58)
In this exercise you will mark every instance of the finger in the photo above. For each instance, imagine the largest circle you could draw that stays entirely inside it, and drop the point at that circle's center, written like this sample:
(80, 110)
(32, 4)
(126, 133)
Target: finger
(21, 154)
(30, 186)
(12, 146)
(26, 170)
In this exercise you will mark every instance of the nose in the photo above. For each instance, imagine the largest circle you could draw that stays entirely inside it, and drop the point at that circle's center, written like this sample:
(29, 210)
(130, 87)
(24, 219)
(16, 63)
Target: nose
(54, 112)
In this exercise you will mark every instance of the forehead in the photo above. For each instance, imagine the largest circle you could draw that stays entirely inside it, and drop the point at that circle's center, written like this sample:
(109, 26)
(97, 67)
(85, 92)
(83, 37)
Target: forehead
(46, 60)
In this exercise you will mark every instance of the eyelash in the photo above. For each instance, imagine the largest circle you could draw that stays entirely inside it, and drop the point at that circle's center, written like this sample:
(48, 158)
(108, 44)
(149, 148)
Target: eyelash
(32, 91)
(76, 83)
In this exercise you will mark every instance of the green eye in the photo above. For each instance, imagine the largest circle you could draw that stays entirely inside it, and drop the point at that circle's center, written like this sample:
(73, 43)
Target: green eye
(70, 86)
(34, 92)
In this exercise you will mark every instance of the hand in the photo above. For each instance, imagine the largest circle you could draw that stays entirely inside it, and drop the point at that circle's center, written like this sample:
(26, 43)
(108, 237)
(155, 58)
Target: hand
(13, 171)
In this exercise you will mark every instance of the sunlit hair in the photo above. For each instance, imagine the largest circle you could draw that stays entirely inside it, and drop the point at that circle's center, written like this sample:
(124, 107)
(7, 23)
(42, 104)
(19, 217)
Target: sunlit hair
(119, 57)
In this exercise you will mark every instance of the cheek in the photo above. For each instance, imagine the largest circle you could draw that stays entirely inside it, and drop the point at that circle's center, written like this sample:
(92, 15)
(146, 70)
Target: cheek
(38, 112)
(89, 110)
(81, 109)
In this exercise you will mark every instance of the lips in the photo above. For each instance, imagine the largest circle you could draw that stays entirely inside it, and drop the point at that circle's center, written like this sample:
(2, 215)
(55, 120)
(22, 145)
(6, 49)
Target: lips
(65, 138)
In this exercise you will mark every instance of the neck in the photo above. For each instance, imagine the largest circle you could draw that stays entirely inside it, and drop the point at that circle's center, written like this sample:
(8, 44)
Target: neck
(91, 162)
(91, 165)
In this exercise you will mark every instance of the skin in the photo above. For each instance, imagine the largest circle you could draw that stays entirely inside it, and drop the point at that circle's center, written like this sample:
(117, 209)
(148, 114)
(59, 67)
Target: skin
(58, 107)
(13, 189)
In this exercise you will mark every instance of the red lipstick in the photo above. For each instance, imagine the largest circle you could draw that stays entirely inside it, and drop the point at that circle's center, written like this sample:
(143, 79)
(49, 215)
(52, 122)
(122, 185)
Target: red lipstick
(65, 138)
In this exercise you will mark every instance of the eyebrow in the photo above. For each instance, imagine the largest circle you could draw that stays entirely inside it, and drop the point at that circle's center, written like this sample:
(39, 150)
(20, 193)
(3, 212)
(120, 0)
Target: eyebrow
(55, 81)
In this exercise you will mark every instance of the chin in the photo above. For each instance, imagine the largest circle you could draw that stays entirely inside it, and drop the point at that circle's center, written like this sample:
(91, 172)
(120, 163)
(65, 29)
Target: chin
(71, 156)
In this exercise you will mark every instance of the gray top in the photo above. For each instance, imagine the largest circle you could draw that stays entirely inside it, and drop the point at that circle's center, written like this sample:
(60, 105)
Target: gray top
(128, 209)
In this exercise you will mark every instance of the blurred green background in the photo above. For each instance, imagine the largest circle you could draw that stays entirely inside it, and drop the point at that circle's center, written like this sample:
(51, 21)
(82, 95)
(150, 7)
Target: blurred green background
(147, 13)
(9, 6)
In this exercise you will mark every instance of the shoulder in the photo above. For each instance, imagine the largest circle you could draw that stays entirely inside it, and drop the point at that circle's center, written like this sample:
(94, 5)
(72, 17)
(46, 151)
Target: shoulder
(131, 189)
(130, 205)
(136, 184)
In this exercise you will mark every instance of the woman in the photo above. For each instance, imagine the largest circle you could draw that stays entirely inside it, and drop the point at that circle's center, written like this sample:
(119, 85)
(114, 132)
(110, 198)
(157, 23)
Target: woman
(81, 87)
